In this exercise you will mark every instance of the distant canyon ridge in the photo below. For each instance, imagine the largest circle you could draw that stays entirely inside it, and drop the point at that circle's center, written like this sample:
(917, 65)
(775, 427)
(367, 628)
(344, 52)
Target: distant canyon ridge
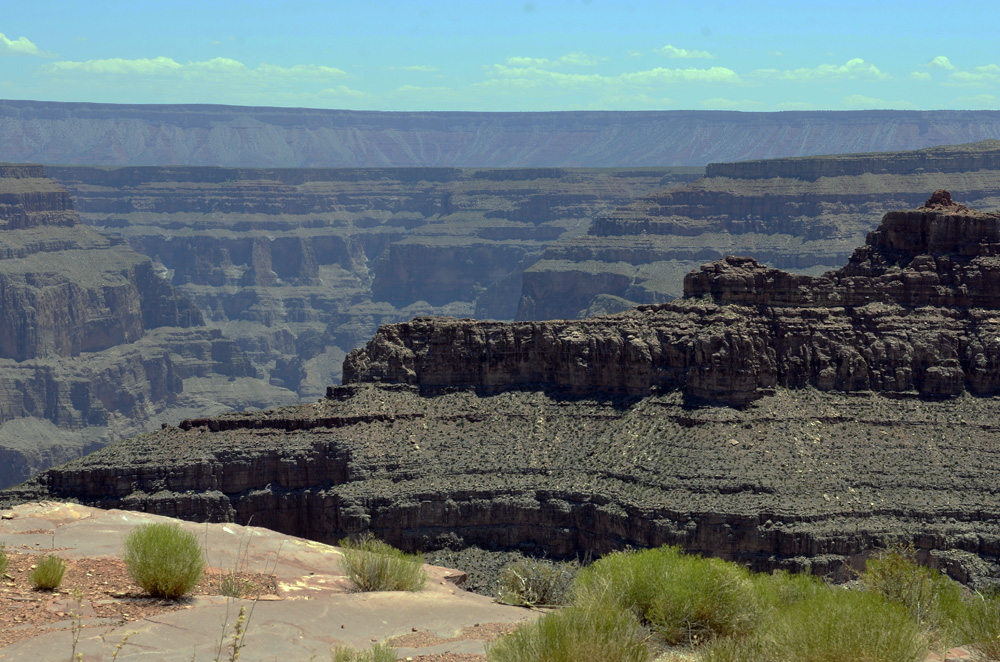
(112, 134)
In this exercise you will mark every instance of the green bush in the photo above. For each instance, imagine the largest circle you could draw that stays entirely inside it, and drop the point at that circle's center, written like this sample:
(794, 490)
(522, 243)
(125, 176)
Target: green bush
(686, 598)
(378, 653)
(4, 561)
(573, 634)
(164, 560)
(837, 625)
(980, 629)
(372, 565)
(48, 573)
(934, 601)
(535, 583)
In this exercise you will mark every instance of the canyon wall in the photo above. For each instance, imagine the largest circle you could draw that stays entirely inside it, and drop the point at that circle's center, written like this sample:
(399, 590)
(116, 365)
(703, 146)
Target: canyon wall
(805, 215)
(109, 134)
(779, 420)
(299, 266)
(94, 345)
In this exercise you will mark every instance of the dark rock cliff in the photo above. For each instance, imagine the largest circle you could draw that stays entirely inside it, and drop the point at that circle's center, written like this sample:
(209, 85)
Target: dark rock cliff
(568, 438)
(914, 309)
(94, 345)
(107, 134)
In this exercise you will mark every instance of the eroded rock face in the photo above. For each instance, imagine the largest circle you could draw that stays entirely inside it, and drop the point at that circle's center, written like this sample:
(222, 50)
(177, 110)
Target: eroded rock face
(915, 309)
(805, 215)
(94, 345)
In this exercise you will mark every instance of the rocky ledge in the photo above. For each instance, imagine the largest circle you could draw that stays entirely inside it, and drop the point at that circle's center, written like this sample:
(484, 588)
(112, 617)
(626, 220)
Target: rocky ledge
(574, 438)
(914, 310)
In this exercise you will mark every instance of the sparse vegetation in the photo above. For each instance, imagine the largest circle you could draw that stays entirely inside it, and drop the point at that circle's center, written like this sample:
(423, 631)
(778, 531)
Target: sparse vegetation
(48, 573)
(597, 632)
(4, 561)
(686, 599)
(536, 583)
(373, 565)
(377, 653)
(164, 560)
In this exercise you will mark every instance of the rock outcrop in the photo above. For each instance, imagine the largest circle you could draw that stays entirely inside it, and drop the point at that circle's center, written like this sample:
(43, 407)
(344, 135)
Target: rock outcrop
(915, 309)
(805, 215)
(301, 266)
(109, 134)
(857, 425)
(94, 345)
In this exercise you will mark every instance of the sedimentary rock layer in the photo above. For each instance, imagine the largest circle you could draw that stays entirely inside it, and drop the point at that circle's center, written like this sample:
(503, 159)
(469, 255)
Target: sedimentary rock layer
(805, 215)
(916, 308)
(94, 345)
(867, 416)
(107, 134)
(302, 265)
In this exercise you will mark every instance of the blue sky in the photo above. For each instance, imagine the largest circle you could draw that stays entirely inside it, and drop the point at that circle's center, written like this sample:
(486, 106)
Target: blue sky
(484, 55)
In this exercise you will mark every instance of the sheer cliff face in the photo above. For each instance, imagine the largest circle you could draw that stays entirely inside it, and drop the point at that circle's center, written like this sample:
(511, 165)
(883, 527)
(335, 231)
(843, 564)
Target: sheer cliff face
(91, 339)
(805, 215)
(913, 310)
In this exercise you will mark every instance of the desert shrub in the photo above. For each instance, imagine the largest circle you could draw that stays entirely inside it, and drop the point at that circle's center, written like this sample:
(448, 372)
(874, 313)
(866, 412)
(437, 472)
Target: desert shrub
(835, 625)
(536, 583)
(372, 565)
(573, 634)
(687, 599)
(378, 653)
(4, 561)
(164, 560)
(48, 573)
(933, 600)
(980, 629)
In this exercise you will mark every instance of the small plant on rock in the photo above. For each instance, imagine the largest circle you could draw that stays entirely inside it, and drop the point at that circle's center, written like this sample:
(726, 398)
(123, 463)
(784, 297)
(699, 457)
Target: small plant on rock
(372, 565)
(536, 583)
(164, 560)
(48, 573)
(378, 653)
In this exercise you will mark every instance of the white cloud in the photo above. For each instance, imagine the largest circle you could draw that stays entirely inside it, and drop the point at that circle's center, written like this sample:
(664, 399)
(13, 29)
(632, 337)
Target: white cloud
(220, 66)
(574, 59)
(660, 75)
(920, 75)
(941, 62)
(854, 68)
(20, 46)
(344, 92)
(528, 77)
(979, 101)
(682, 53)
(987, 75)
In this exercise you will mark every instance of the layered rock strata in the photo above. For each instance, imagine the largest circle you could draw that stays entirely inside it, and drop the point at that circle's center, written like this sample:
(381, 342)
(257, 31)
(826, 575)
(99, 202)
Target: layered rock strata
(805, 215)
(915, 309)
(300, 266)
(94, 345)
(569, 438)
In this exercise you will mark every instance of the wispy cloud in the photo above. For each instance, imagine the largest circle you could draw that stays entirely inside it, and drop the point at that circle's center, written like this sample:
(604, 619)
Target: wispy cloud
(165, 66)
(854, 68)
(684, 54)
(987, 75)
(573, 59)
(20, 46)
(920, 75)
(862, 102)
(503, 75)
(721, 103)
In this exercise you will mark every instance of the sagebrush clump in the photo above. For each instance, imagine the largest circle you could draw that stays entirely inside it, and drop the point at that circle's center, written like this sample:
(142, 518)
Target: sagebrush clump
(48, 573)
(164, 560)
(373, 565)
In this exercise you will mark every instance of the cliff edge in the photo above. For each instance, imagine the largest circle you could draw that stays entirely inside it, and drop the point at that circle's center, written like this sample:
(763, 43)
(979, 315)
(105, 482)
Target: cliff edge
(913, 310)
